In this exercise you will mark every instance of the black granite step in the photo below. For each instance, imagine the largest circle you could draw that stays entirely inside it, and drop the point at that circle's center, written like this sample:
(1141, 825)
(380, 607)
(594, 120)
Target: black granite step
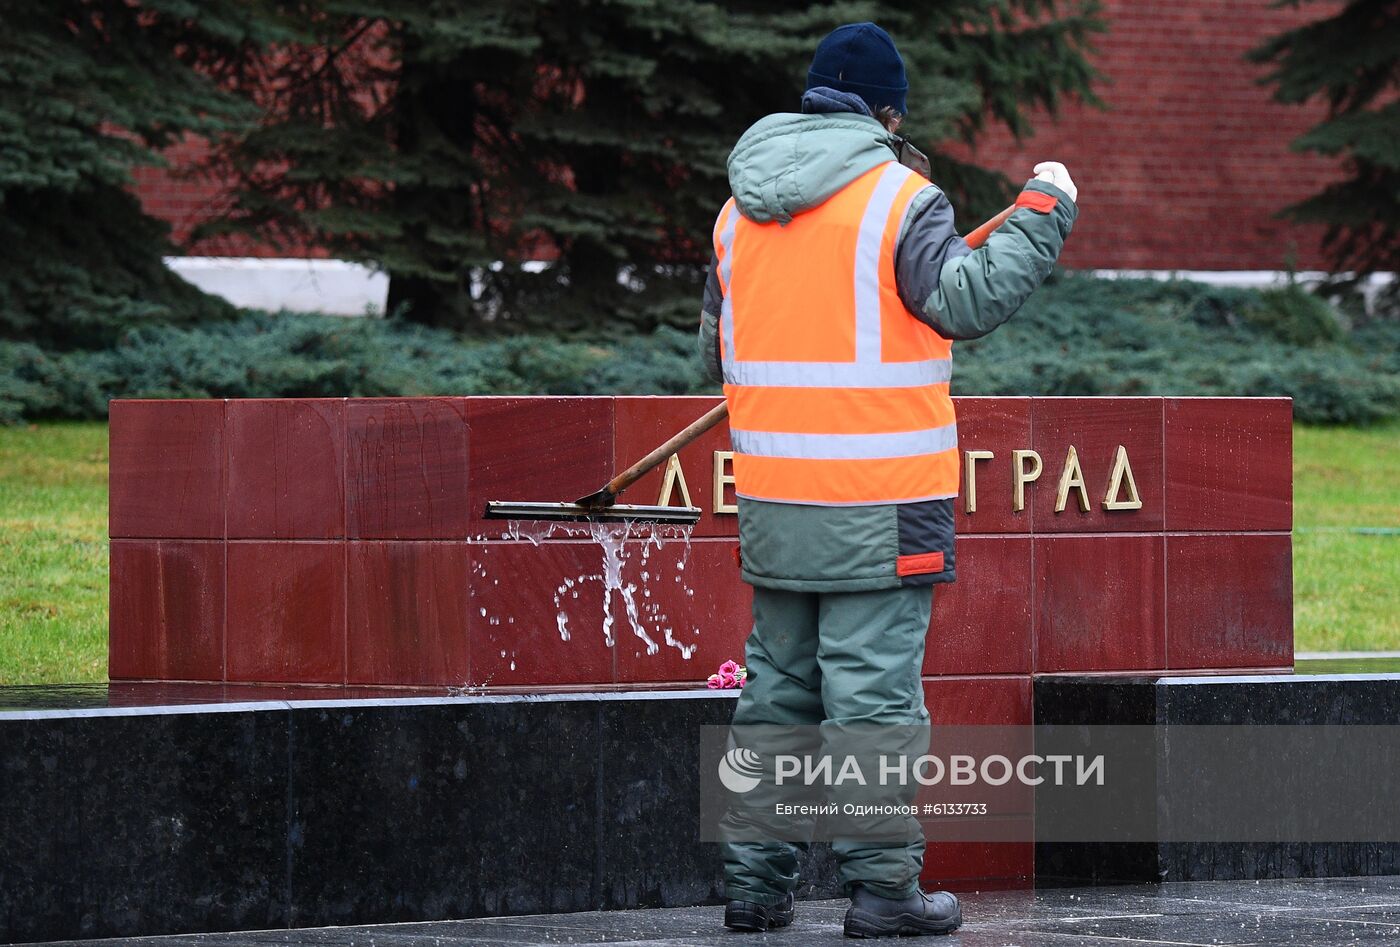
(1342, 700)
(276, 814)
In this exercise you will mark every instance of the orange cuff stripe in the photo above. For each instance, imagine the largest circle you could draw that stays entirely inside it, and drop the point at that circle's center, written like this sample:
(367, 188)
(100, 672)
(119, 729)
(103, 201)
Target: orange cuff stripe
(1037, 201)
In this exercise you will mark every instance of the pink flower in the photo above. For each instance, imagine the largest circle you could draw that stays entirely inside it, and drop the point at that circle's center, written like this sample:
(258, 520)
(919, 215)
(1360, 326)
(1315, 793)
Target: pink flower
(731, 674)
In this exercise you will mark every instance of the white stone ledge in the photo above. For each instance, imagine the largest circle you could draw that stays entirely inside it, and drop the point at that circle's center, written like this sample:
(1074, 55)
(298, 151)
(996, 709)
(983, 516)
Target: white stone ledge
(1250, 279)
(334, 287)
(341, 288)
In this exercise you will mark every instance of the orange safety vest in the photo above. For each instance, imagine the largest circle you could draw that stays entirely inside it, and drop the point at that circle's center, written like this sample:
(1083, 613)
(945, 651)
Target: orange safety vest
(837, 394)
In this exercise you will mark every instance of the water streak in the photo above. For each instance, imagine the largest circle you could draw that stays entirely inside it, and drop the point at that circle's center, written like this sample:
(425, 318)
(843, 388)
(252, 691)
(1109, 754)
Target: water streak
(616, 542)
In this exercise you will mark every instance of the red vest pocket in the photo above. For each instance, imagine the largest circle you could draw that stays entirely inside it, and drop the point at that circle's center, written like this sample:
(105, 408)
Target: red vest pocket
(919, 563)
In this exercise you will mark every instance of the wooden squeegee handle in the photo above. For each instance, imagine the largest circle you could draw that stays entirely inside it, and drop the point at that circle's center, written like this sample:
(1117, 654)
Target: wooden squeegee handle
(979, 236)
(693, 430)
(721, 411)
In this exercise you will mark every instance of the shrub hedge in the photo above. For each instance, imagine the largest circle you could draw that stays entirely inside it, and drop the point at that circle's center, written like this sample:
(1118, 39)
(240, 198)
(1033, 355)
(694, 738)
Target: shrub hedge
(1085, 336)
(1077, 336)
(297, 355)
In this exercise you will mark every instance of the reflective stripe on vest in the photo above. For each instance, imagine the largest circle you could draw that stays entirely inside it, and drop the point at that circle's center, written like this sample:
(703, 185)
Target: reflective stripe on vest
(837, 394)
(845, 446)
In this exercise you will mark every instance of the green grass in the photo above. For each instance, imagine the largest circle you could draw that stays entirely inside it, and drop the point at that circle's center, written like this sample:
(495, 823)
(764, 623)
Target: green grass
(1346, 585)
(53, 549)
(53, 553)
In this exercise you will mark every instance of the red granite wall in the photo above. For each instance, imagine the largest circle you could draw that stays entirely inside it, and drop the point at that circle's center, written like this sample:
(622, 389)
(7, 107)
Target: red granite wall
(342, 541)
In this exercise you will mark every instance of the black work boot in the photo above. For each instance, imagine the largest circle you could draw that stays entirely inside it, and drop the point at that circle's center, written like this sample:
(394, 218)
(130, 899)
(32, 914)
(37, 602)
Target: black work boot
(752, 916)
(873, 916)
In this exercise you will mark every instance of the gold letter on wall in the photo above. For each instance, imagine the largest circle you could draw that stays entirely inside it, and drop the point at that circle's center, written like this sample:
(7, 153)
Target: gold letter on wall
(970, 476)
(1020, 476)
(1072, 477)
(1122, 470)
(722, 480)
(674, 475)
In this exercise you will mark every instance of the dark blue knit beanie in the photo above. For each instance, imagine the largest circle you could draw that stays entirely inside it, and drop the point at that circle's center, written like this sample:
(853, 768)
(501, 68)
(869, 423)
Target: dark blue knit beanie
(860, 58)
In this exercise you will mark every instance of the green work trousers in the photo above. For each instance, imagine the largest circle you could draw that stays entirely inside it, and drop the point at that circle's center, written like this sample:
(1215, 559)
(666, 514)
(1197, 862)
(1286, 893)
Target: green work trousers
(838, 660)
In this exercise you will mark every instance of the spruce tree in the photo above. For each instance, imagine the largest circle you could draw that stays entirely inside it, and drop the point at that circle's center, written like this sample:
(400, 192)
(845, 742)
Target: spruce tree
(1351, 61)
(446, 142)
(88, 90)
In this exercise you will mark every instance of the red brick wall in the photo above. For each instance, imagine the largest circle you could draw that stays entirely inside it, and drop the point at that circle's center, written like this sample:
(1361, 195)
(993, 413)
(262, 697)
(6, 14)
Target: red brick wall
(1184, 170)
(185, 199)
(1189, 163)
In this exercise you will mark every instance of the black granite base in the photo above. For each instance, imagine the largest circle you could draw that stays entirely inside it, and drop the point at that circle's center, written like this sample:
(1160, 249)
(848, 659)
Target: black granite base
(139, 821)
(1337, 700)
(125, 821)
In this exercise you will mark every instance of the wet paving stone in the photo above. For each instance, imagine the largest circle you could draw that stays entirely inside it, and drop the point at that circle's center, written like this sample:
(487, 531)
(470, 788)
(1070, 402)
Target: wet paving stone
(1314, 912)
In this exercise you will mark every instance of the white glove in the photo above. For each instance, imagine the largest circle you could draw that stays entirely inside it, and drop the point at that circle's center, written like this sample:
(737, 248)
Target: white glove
(1055, 173)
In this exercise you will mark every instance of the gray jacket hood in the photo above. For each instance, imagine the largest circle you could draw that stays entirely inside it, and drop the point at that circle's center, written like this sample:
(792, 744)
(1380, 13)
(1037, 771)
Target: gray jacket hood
(789, 162)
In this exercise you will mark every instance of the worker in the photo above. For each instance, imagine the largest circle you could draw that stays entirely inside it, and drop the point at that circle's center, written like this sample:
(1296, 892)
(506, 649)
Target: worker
(837, 288)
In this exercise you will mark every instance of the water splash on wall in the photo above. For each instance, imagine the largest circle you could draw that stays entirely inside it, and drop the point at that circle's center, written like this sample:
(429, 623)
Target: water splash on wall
(561, 615)
(617, 544)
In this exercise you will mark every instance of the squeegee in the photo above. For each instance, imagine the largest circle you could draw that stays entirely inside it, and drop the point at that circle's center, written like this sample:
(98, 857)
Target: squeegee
(600, 506)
